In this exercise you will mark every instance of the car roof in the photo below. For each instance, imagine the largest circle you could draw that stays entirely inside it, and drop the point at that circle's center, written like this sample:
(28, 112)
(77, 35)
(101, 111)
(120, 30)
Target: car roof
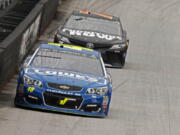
(71, 48)
(95, 15)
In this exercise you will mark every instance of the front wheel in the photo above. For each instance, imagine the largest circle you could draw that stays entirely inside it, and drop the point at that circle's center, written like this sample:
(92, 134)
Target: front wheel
(123, 58)
(56, 39)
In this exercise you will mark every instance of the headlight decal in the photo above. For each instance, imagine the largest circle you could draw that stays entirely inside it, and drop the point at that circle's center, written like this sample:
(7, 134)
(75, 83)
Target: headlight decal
(30, 81)
(115, 47)
(118, 46)
(97, 91)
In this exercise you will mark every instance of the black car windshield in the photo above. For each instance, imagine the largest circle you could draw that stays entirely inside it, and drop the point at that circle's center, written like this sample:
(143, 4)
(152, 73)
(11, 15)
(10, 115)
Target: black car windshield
(94, 24)
(63, 60)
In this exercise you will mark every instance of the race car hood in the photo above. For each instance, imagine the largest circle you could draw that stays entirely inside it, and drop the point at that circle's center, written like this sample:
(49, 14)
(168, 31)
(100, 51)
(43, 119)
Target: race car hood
(99, 39)
(65, 77)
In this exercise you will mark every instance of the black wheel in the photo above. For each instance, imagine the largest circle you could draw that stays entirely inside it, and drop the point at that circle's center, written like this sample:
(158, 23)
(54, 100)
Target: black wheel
(55, 39)
(114, 59)
(123, 58)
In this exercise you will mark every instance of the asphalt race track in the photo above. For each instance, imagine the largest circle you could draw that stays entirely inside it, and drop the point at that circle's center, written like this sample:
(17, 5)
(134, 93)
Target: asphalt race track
(146, 93)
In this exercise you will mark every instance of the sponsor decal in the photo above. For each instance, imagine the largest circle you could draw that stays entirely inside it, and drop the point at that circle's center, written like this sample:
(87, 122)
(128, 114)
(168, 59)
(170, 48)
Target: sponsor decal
(91, 34)
(71, 75)
(65, 100)
(94, 96)
(30, 89)
(32, 97)
(105, 103)
(63, 92)
(105, 100)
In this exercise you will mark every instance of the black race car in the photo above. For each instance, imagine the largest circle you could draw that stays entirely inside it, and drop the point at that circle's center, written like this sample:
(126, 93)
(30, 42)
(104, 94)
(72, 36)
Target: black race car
(96, 31)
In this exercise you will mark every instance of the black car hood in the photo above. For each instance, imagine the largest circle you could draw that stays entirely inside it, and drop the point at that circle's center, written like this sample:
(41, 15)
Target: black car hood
(97, 38)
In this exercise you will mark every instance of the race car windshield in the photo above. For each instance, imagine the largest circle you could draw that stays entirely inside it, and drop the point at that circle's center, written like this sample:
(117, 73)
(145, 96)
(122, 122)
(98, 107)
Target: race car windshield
(94, 24)
(63, 60)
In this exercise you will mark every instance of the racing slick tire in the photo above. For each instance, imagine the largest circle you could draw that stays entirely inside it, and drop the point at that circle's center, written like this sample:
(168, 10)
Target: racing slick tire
(55, 39)
(123, 59)
(117, 60)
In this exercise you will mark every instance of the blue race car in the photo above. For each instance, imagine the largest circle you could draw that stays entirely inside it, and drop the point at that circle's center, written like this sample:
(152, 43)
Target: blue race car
(65, 78)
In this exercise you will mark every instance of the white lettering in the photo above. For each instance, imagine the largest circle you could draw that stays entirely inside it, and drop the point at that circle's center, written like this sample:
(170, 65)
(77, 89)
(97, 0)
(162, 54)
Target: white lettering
(71, 75)
(80, 77)
(60, 73)
(100, 35)
(39, 72)
(79, 33)
(92, 79)
(51, 72)
(91, 34)
(109, 37)
(72, 32)
(68, 74)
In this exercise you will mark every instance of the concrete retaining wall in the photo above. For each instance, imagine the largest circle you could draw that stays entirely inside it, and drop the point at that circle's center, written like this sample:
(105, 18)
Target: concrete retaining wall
(17, 45)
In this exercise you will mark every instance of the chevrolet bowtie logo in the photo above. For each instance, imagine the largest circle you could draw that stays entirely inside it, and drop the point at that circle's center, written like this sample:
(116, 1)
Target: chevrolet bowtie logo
(64, 87)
